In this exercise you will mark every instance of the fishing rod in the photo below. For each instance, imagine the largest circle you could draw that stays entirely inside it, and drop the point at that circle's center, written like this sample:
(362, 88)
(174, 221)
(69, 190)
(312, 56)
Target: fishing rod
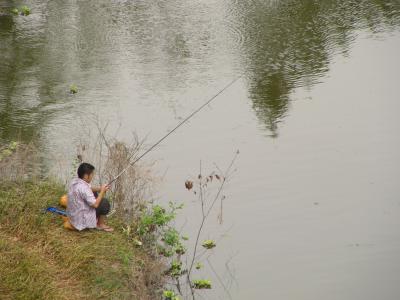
(175, 128)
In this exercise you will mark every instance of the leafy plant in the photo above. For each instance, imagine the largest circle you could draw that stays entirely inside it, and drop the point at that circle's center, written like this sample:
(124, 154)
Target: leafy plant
(171, 237)
(164, 251)
(202, 284)
(170, 295)
(155, 218)
(180, 249)
(154, 227)
(25, 10)
(15, 11)
(175, 269)
(208, 244)
(73, 89)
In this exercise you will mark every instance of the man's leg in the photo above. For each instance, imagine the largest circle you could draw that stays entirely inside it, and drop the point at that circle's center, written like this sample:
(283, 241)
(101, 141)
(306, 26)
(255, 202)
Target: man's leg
(101, 221)
(101, 211)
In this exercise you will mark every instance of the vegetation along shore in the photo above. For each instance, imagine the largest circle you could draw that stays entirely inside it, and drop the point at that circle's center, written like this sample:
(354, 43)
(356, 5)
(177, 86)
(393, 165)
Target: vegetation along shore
(146, 257)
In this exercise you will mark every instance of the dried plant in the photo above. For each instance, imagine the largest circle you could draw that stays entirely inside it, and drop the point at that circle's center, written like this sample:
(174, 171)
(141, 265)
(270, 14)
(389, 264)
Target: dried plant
(207, 202)
(156, 233)
(131, 192)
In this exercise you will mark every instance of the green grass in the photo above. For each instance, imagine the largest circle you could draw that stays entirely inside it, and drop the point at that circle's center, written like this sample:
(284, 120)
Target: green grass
(40, 259)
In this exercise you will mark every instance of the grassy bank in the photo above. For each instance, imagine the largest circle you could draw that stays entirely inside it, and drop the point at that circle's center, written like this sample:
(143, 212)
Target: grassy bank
(40, 259)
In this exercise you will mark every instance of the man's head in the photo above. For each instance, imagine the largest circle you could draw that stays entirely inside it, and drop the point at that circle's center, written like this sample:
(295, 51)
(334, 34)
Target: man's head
(86, 172)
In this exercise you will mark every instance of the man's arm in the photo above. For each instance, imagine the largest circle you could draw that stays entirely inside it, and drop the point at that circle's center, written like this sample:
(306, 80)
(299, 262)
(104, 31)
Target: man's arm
(96, 189)
(103, 189)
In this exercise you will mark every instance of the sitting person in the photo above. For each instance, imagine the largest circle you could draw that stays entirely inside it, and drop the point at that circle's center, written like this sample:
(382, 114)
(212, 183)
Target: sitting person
(87, 207)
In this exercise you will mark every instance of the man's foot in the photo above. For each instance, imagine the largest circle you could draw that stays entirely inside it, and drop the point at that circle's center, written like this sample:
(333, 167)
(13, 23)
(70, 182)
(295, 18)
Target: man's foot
(105, 228)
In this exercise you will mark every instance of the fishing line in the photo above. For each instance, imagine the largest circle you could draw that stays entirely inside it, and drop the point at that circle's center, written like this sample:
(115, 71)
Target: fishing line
(175, 128)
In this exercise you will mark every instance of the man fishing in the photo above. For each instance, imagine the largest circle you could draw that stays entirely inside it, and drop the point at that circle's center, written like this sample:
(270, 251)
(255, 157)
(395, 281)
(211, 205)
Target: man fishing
(87, 211)
(87, 207)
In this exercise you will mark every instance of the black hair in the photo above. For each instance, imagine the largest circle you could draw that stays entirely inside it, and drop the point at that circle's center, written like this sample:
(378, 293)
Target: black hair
(85, 168)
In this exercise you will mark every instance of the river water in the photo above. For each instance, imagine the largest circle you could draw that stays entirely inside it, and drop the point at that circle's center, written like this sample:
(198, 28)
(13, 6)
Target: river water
(313, 210)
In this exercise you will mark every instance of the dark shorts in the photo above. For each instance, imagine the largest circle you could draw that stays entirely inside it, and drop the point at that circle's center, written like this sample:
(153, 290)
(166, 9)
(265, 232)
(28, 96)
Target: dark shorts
(103, 208)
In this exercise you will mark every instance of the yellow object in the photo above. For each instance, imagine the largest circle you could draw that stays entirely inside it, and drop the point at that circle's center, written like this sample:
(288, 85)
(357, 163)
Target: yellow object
(64, 201)
(67, 224)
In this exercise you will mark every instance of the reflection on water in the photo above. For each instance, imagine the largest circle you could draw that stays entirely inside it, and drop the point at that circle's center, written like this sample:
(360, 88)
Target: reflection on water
(164, 46)
(291, 43)
(280, 45)
(141, 61)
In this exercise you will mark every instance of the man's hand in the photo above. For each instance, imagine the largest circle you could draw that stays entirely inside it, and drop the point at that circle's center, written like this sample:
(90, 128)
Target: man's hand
(104, 188)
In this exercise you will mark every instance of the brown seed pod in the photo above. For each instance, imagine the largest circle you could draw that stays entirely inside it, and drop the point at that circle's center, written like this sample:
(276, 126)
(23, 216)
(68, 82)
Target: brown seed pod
(189, 184)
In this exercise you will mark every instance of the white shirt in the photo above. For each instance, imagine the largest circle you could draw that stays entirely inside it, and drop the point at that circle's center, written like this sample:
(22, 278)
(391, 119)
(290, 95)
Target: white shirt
(79, 208)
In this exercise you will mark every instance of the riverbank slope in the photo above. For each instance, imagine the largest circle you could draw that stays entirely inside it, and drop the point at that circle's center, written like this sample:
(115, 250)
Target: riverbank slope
(40, 259)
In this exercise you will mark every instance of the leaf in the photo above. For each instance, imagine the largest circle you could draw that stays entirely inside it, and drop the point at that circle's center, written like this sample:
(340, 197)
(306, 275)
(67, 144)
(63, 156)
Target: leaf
(208, 244)
(198, 266)
(202, 284)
